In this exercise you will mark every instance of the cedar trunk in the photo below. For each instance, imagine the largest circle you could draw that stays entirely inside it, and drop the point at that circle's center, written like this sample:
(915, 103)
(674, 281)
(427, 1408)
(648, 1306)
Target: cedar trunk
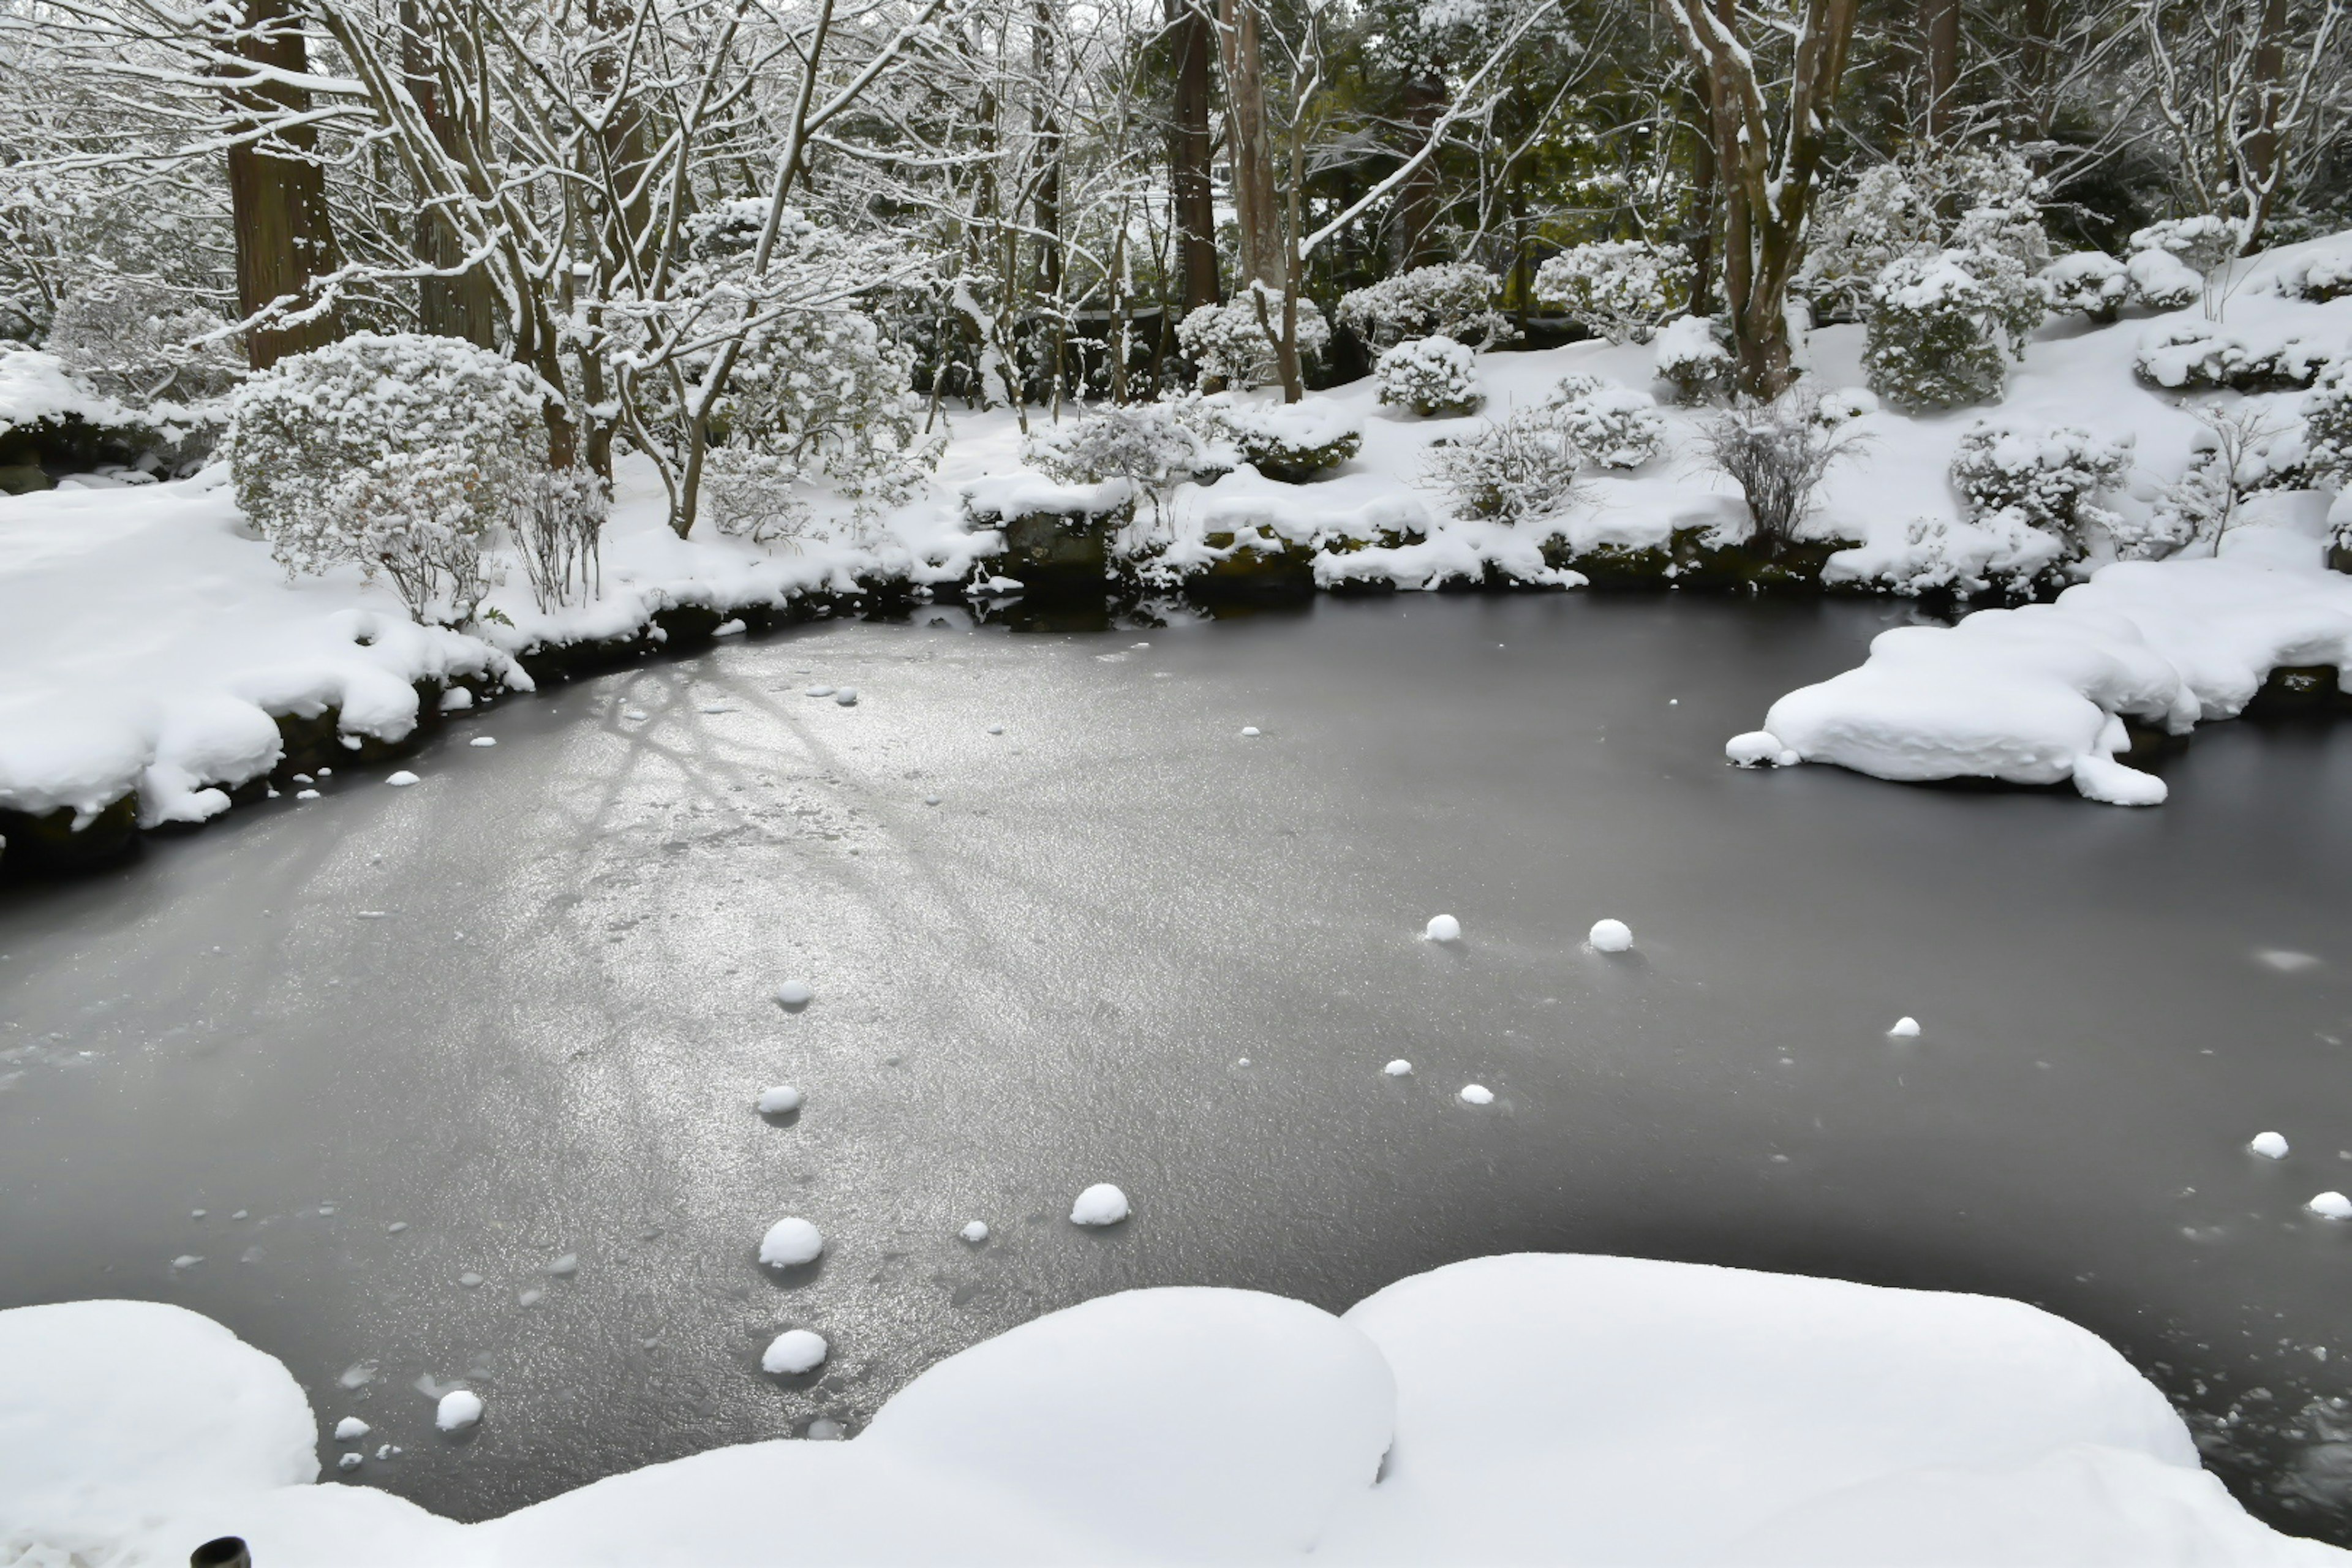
(1195, 214)
(277, 189)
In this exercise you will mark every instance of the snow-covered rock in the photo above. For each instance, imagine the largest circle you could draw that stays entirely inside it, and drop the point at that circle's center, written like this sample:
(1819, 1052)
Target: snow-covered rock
(1101, 1203)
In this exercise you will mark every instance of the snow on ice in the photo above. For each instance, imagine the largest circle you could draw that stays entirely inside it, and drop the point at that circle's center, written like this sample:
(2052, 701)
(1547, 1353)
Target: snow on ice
(2269, 1145)
(459, 1409)
(1398, 1069)
(1475, 1094)
(351, 1429)
(790, 1243)
(779, 1100)
(1442, 928)
(2331, 1205)
(975, 1232)
(402, 779)
(1905, 1028)
(1610, 936)
(794, 994)
(793, 1351)
(1101, 1203)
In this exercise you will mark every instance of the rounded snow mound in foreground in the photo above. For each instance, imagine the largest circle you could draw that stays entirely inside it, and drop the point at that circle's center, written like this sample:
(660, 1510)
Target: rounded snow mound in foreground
(790, 1243)
(1759, 749)
(1101, 1203)
(459, 1408)
(1442, 927)
(792, 1351)
(1610, 936)
(1531, 1409)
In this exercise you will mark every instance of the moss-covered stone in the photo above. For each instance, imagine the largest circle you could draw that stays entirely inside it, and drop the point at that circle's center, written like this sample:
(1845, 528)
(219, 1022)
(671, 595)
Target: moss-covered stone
(1694, 558)
(1255, 567)
(1297, 462)
(31, 845)
(1060, 553)
(2296, 689)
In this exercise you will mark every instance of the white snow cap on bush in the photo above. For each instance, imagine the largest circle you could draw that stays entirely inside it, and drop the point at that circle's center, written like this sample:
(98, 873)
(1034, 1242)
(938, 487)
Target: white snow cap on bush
(2159, 281)
(2201, 243)
(1691, 353)
(1101, 1203)
(1452, 299)
(1429, 376)
(790, 1243)
(1623, 290)
(1230, 346)
(2090, 281)
(1614, 426)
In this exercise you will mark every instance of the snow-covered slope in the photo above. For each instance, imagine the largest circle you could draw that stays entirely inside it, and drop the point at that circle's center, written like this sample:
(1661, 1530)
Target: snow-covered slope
(1528, 1409)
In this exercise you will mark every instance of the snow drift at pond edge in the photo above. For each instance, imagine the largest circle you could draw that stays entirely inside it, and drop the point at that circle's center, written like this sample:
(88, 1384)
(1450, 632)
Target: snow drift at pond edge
(1521, 1409)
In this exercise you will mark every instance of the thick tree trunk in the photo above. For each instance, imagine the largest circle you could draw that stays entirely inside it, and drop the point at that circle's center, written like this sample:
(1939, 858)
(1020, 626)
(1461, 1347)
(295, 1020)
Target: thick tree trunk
(462, 305)
(1193, 214)
(1939, 29)
(1417, 198)
(278, 191)
(1048, 134)
(1706, 198)
(2265, 144)
(1251, 150)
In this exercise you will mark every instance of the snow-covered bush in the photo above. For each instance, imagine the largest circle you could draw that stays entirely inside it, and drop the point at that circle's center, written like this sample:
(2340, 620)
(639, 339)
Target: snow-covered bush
(748, 495)
(1232, 347)
(1429, 375)
(2196, 355)
(1145, 443)
(2000, 551)
(1693, 354)
(400, 453)
(1454, 299)
(2160, 281)
(2047, 477)
(1778, 454)
(1290, 443)
(1623, 290)
(1941, 327)
(824, 391)
(2241, 450)
(2201, 244)
(1842, 404)
(1614, 425)
(2090, 281)
(1993, 199)
(2318, 279)
(1519, 468)
(141, 344)
(2328, 426)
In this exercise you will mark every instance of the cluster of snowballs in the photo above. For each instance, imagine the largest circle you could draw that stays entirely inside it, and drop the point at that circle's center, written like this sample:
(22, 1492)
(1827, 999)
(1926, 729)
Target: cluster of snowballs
(2328, 1205)
(1606, 936)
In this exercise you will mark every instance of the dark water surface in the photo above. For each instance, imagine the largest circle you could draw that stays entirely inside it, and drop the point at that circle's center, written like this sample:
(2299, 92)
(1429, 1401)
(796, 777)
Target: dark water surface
(522, 1009)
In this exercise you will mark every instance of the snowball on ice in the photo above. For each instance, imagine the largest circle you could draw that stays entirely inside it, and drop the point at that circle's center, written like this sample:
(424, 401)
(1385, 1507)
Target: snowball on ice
(1398, 1069)
(794, 994)
(349, 1462)
(1759, 749)
(846, 697)
(456, 699)
(470, 1281)
(2284, 961)
(306, 795)
(351, 1429)
(793, 1351)
(2331, 1205)
(820, 691)
(483, 740)
(1442, 927)
(186, 1260)
(790, 1243)
(1610, 936)
(565, 1267)
(1101, 1203)
(780, 1099)
(996, 729)
(975, 1232)
(1248, 729)
(1476, 1094)
(2269, 1145)
(530, 1298)
(402, 779)
(1905, 1028)
(459, 1408)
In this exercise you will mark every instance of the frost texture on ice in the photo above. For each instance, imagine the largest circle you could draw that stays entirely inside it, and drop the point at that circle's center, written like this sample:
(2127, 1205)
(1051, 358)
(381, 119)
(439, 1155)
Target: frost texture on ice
(2331, 1205)
(1101, 1203)
(794, 994)
(779, 1099)
(402, 779)
(793, 1351)
(2269, 1145)
(1610, 936)
(1442, 927)
(1905, 1028)
(1398, 1069)
(790, 1243)
(1475, 1094)
(975, 1232)
(459, 1409)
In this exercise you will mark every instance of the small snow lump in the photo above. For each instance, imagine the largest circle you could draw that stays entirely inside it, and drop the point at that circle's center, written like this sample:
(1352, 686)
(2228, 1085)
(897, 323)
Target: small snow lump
(351, 1429)
(459, 1408)
(1442, 927)
(975, 1232)
(1398, 1069)
(789, 1243)
(1476, 1094)
(1905, 1028)
(793, 1351)
(402, 779)
(2331, 1205)
(779, 1099)
(2269, 1145)
(1610, 936)
(1101, 1203)
(794, 994)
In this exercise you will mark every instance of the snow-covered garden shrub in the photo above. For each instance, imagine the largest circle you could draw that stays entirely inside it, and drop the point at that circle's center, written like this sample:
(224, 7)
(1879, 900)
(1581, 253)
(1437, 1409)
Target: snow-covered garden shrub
(1693, 354)
(1941, 327)
(1986, 199)
(1519, 468)
(1454, 299)
(2160, 281)
(1146, 444)
(1614, 426)
(1844, 404)
(748, 495)
(2242, 451)
(1623, 290)
(141, 344)
(1232, 347)
(2048, 478)
(1997, 551)
(824, 392)
(2318, 279)
(399, 453)
(2090, 281)
(1431, 376)
(1778, 454)
(1290, 443)
(2201, 244)
(2328, 426)
(2197, 356)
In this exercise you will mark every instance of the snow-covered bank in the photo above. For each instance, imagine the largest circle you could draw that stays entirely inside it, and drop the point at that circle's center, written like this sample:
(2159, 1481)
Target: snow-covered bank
(1521, 1409)
(2039, 695)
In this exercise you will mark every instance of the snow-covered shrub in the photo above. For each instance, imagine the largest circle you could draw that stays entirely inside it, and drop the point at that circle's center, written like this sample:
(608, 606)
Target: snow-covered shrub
(1517, 469)
(1894, 210)
(1454, 299)
(2242, 451)
(1146, 444)
(2318, 279)
(1231, 346)
(1290, 443)
(2000, 551)
(2160, 281)
(2047, 477)
(1429, 375)
(401, 453)
(1940, 324)
(1624, 290)
(141, 344)
(748, 495)
(2328, 426)
(1693, 354)
(557, 523)
(2090, 281)
(1614, 425)
(1844, 404)
(824, 391)
(1778, 454)
(2195, 355)
(2201, 244)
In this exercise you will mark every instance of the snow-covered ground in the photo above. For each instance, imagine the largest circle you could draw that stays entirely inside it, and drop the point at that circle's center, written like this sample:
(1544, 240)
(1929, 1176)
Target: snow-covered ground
(149, 642)
(1522, 1409)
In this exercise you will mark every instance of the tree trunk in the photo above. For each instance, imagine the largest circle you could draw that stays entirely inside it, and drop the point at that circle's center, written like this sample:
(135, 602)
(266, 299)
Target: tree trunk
(1193, 213)
(278, 191)
(2265, 144)
(1048, 130)
(1706, 198)
(1253, 152)
(1417, 198)
(462, 305)
(1939, 29)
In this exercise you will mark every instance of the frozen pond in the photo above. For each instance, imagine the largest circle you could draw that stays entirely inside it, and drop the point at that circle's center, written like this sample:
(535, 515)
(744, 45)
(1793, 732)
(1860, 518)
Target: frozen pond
(523, 1009)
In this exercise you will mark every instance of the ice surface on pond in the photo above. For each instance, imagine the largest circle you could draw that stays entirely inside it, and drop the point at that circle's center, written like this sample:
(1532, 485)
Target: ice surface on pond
(1398, 1069)
(793, 1351)
(779, 1099)
(2269, 1145)
(1610, 936)
(975, 1232)
(1905, 1028)
(1442, 927)
(2331, 1205)
(402, 779)
(459, 1409)
(351, 1429)
(1101, 1203)
(1476, 1094)
(794, 994)
(790, 1243)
